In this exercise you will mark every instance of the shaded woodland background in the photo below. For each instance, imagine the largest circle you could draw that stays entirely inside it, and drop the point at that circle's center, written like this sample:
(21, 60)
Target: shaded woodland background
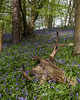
(37, 30)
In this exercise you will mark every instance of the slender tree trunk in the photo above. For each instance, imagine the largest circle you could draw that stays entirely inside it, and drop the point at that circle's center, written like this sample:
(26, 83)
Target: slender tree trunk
(49, 17)
(53, 21)
(50, 21)
(23, 12)
(76, 50)
(15, 22)
(70, 14)
(46, 21)
(67, 12)
(1, 38)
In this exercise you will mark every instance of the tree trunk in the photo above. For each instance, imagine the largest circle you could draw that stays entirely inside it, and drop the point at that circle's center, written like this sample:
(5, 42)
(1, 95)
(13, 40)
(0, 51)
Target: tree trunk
(76, 50)
(67, 12)
(36, 5)
(48, 20)
(70, 15)
(1, 38)
(15, 22)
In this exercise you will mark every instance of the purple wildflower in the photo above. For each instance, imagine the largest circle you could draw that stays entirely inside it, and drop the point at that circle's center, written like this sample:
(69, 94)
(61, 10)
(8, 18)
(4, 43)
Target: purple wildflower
(79, 66)
(78, 80)
(21, 98)
(52, 86)
(0, 95)
(10, 92)
(27, 72)
(25, 93)
(77, 72)
(49, 81)
(35, 98)
(77, 94)
(69, 83)
(57, 90)
(64, 79)
(70, 68)
(44, 94)
(71, 94)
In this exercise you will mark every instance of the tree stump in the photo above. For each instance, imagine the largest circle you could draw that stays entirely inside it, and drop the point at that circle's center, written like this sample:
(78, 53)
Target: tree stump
(47, 69)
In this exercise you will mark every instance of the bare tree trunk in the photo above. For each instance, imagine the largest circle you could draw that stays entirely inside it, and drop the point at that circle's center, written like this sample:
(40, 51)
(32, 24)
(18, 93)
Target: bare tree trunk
(76, 50)
(48, 20)
(70, 14)
(23, 12)
(1, 37)
(15, 22)
(67, 12)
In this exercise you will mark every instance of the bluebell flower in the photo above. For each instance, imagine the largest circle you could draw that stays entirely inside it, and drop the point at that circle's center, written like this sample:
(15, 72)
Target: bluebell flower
(0, 95)
(35, 98)
(10, 92)
(52, 86)
(70, 68)
(71, 94)
(57, 90)
(44, 94)
(69, 83)
(79, 66)
(64, 79)
(21, 98)
(27, 72)
(77, 94)
(77, 72)
(78, 80)
(25, 93)
(49, 81)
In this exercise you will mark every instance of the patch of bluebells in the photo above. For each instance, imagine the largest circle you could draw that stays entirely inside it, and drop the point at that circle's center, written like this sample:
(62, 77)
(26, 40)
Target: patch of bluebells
(13, 57)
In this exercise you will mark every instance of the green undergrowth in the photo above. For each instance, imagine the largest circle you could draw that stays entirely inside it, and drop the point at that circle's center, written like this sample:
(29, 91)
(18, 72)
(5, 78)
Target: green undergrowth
(13, 87)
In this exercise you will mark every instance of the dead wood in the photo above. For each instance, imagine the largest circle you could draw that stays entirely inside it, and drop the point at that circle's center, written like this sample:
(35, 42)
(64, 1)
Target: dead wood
(47, 69)
(1, 37)
(60, 45)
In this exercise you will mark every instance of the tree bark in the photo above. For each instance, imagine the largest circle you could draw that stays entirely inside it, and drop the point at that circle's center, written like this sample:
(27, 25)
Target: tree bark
(49, 19)
(36, 5)
(67, 12)
(76, 50)
(15, 22)
(70, 15)
(1, 38)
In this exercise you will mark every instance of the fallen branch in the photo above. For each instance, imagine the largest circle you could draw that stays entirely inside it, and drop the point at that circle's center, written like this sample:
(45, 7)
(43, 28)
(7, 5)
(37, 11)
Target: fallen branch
(60, 45)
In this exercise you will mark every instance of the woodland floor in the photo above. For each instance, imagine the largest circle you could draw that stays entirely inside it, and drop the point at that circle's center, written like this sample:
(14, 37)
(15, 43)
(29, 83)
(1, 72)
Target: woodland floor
(13, 87)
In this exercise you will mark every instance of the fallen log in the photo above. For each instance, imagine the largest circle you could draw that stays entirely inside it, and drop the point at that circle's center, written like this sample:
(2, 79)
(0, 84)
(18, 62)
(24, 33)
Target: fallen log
(48, 70)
